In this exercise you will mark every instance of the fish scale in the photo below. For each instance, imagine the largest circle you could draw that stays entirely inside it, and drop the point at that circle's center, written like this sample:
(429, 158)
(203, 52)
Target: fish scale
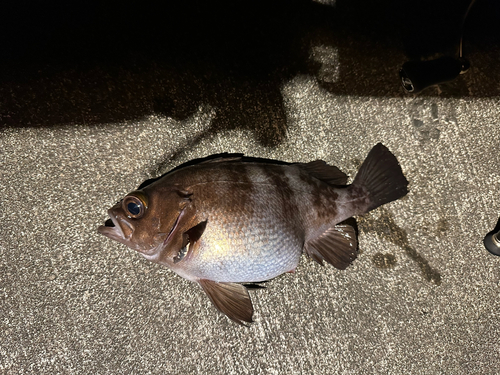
(235, 248)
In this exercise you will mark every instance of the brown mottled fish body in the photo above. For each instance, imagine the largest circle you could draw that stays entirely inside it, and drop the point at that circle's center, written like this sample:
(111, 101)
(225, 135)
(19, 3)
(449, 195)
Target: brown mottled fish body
(228, 221)
(254, 231)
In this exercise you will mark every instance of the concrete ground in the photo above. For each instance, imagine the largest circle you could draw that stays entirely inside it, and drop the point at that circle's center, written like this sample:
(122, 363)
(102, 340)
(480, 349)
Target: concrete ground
(124, 101)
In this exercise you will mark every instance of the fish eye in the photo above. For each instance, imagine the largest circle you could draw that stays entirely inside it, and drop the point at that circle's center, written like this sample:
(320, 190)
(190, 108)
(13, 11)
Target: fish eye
(135, 204)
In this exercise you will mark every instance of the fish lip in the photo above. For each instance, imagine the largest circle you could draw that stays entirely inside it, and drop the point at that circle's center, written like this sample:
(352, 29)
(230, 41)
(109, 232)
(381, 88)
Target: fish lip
(116, 232)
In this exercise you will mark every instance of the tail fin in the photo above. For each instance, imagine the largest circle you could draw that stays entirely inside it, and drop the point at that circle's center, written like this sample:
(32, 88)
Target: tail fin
(381, 175)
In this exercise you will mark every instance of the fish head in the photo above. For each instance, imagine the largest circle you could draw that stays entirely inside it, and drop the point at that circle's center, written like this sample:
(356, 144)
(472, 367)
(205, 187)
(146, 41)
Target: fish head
(151, 221)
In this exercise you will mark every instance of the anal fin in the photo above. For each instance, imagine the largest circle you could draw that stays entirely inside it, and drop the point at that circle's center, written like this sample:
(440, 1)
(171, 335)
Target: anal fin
(337, 245)
(229, 298)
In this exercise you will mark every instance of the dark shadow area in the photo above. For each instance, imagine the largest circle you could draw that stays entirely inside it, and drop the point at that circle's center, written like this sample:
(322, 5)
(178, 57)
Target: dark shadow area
(97, 62)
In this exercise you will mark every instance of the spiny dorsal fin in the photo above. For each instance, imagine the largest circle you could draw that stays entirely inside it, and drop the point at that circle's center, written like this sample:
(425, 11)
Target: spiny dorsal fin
(324, 172)
(337, 245)
(229, 298)
(222, 158)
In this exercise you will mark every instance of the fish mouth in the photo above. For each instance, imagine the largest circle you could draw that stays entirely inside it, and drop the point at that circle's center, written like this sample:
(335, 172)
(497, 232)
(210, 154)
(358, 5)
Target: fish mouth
(113, 229)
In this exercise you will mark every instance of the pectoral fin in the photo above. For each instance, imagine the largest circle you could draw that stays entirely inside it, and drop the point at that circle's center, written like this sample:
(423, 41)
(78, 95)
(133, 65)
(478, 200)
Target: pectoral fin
(231, 299)
(195, 232)
(190, 240)
(337, 245)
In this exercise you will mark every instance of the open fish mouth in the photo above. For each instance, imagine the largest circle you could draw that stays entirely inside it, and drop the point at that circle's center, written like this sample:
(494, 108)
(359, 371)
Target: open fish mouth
(109, 223)
(112, 228)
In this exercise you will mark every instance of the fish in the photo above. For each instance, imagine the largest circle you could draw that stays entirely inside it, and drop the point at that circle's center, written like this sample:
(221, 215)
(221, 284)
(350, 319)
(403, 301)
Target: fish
(229, 222)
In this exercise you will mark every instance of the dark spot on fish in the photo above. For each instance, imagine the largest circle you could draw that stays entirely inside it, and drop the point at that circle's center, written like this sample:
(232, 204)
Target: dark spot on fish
(323, 198)
(242, 196)
(318, 203)
(386, 228)
(358, 192)
(279, 179)
(384, 260)
(360, 198)
(329, 203)
(226, 183)
(316, 191)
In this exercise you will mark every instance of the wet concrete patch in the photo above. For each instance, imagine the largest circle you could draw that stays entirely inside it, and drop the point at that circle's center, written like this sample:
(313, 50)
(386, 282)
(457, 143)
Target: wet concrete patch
(387, 229)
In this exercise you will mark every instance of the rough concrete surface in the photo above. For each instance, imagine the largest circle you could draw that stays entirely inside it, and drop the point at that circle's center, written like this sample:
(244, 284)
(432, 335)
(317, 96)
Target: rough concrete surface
(423, 295)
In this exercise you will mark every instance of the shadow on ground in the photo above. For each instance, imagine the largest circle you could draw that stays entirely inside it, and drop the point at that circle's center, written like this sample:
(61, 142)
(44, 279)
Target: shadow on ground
(96, 63)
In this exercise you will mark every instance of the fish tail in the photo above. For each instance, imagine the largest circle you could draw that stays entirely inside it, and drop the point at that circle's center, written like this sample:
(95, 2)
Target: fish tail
(381, 176)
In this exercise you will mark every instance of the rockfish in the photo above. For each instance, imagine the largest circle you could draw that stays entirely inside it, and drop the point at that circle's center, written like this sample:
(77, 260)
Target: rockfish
(230, 220)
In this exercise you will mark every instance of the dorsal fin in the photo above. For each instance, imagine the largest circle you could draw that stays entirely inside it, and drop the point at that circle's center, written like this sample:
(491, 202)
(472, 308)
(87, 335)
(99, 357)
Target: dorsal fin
(229, 157)
(337, 245)
(324, 172)
(229, 298)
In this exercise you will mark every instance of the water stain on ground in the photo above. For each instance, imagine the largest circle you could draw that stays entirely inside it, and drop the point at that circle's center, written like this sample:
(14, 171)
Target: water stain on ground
(442, 227)
(386, 228)
(425, 120)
